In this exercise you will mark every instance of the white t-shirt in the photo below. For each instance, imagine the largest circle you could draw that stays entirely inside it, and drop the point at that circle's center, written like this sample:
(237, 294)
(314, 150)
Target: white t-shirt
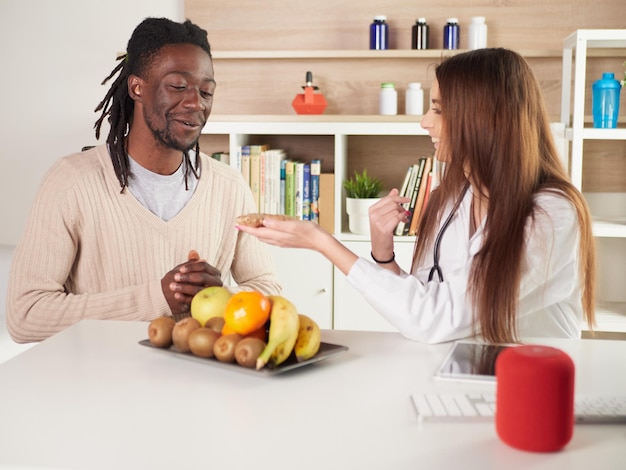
(164, 195)
(550, 293)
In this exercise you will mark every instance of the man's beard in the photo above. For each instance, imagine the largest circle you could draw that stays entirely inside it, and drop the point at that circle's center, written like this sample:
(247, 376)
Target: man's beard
(166, 138)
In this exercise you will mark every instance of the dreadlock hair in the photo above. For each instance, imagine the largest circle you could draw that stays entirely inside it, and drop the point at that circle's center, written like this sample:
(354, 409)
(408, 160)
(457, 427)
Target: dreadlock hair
(146, 41)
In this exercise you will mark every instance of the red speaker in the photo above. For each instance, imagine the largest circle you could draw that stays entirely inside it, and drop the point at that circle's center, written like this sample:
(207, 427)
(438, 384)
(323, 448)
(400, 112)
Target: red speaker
(534, 398)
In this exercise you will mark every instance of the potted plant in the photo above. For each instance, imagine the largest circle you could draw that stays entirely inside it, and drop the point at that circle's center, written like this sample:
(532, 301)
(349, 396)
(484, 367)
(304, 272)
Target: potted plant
(362, 191)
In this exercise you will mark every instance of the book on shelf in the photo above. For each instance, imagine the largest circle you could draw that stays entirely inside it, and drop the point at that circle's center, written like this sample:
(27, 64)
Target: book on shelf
(280, 185)
(429, 188)
(415, 193)
(299, 188)
(223, 157)
(407, 191)
(316, 170)
(306, 191)
(235, 160)
(283, 165)
(327, 202)
(255, 175)
(244, 162)
(290, 188)
(262, 181)
(419, 204)
(271, 189)
(405, 183)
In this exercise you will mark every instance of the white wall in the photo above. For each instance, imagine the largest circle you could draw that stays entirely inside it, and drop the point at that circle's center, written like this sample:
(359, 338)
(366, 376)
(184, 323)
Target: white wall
(53, 56)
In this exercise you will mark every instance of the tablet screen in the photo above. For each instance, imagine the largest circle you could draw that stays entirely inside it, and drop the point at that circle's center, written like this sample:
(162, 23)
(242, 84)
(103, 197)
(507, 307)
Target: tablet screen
(470, 361)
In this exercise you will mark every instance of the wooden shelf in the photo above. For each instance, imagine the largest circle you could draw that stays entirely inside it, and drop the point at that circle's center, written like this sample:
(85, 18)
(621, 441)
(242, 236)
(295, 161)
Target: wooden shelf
(592, 133)
(378, 118)
(391, 54)
(611, 228)
(318, 124)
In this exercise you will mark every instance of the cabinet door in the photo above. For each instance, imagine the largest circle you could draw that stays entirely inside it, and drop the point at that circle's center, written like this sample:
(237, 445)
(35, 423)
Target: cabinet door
(307, 280)
(351, 310)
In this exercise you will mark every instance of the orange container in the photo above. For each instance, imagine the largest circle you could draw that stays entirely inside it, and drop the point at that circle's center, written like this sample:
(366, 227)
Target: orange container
(309, 102)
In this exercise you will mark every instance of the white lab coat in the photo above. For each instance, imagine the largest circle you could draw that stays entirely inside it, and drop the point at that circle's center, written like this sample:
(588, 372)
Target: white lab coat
(432, 312)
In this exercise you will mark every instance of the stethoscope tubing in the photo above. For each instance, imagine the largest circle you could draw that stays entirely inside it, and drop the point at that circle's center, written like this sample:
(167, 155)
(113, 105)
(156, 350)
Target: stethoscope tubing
(436, 268)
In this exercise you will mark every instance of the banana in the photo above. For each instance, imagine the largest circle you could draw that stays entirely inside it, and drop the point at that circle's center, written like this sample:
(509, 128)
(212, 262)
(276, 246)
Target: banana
(284, 326)
(309, 339)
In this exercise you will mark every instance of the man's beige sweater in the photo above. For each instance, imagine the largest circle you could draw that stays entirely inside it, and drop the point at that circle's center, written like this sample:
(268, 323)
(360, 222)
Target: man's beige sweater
(92, 252)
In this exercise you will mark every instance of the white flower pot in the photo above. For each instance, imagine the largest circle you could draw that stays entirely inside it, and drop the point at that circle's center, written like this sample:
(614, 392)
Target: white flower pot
(358, 216)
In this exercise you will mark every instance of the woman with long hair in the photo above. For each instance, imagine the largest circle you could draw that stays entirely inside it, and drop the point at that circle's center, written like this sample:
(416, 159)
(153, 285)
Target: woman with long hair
(504, 248)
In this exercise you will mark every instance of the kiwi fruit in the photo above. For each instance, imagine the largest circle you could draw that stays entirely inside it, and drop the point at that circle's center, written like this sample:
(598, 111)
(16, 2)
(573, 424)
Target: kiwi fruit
(182, 330)
(160, 332)
(215, 323)
(201, 341)
(247, 350)
(224, 347)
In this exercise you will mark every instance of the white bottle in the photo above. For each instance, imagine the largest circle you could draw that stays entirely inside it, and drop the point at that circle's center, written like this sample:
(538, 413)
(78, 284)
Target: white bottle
(477, 31)
(414, 99)
(388, 99)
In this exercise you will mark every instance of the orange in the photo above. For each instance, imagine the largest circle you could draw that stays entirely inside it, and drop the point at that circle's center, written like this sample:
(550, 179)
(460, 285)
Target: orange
(261, 333)
(246, 312)
(227, 330)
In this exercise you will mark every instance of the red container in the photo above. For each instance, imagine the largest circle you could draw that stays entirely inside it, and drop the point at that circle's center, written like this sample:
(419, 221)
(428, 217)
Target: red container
(309, 102)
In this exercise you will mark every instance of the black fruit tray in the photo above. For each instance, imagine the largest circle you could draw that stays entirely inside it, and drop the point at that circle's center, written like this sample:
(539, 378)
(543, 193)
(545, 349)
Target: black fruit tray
(326, 351)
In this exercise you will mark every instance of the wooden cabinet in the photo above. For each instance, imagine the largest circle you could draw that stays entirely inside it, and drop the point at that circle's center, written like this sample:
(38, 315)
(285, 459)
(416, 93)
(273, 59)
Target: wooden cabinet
(351, 311)
(307, 280)
(608, 206)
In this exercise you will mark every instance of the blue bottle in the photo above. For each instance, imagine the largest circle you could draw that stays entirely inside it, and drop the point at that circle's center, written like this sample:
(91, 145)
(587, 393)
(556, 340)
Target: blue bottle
(379, 33)
(451, 34)
(605, 101)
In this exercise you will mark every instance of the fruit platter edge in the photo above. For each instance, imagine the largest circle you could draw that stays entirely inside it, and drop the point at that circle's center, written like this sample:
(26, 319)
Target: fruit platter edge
(326, 351)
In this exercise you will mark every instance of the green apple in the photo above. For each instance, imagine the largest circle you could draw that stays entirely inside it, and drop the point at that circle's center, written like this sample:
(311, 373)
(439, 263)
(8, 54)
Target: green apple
(209, 302)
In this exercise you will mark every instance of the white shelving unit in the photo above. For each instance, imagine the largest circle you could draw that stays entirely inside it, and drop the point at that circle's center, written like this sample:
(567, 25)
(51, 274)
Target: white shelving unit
(338, 127)
(323, 292)
(611, 315)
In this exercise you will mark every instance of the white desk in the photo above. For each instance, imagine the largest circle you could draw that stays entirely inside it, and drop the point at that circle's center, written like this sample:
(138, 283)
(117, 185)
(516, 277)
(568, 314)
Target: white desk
(92, 398)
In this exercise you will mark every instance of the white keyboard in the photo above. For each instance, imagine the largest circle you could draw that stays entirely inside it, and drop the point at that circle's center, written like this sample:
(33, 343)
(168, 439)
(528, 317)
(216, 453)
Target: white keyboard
(482, 407)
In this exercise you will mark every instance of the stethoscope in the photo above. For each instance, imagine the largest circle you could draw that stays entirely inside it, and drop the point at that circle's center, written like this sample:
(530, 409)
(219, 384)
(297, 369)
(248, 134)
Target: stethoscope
(436, 268)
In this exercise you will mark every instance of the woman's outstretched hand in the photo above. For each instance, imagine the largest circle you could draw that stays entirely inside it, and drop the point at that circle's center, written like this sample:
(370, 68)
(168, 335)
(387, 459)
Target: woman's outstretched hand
(303, 234)
(288, 233)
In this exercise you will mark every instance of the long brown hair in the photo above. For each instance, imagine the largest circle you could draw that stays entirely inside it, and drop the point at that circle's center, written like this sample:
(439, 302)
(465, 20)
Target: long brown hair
(495, 123)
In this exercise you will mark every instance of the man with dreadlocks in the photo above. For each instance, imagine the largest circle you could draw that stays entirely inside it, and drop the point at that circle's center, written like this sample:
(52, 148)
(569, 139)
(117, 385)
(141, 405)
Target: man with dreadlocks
(112, 230)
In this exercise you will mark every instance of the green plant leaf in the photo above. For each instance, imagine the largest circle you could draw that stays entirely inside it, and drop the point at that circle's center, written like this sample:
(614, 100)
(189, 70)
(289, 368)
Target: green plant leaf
(362, 186)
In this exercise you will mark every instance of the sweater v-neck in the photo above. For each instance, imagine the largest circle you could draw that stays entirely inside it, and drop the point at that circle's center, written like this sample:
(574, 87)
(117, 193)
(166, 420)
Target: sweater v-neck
(137, 208)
